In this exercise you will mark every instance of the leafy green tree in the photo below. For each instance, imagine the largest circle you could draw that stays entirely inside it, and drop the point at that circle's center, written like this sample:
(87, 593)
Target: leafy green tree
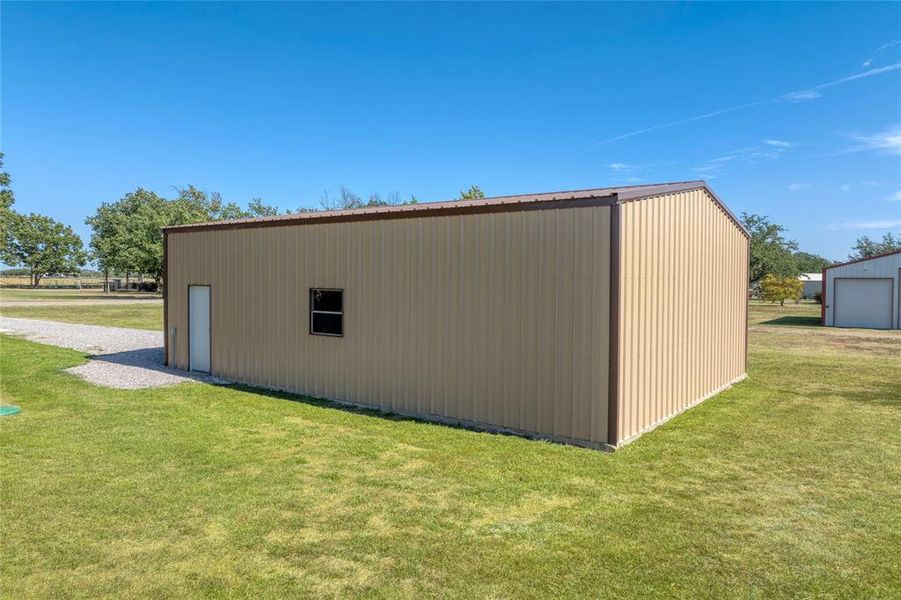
(256, 208)
(127, 234)
(776, 288)
(6, 193)
(865, 247)
(108, 240)
(473, 193)
(193, 206)
(7, 214)
(43, 246)
(770, 251)
(232, 211)
(811, 263)
(146, 214)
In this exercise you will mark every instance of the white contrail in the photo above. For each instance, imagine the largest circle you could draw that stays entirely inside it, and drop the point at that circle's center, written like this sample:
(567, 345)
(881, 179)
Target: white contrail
(807, 94)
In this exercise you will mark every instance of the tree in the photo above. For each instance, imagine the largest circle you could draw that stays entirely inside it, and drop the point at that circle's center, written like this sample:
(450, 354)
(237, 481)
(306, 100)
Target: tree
(140, 217)
(770, 251)
(348, 200)
(6, 193)
(256, 208)
(776, 288)
(7, 214)
(43, 246)
(865, 247)
(473, 193)
(811, 263)
(108, 240)
(127, 234)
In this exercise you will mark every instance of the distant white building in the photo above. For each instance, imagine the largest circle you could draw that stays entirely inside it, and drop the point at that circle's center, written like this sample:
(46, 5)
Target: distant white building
(812, 284)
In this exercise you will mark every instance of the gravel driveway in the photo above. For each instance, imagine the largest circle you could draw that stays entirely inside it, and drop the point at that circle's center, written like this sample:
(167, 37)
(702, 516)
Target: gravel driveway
(120, 357)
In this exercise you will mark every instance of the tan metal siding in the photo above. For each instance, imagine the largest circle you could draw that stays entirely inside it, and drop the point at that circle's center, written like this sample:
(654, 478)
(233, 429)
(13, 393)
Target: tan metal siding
(497, 319)
(682, 306)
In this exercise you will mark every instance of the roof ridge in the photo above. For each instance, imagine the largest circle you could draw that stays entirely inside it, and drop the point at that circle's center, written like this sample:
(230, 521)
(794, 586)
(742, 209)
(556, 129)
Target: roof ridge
(865, 258)
(582, 190)
(605, 195)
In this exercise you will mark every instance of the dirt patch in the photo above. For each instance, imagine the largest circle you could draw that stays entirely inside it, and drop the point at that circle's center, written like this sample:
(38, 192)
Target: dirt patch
(868, 342)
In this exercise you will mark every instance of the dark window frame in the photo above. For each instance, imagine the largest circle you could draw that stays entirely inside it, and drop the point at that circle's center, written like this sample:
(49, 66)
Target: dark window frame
(326, 312)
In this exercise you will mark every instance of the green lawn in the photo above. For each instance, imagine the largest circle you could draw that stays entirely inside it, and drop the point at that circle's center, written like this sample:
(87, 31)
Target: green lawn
(785, 485)
(65, 294)
(134, 315)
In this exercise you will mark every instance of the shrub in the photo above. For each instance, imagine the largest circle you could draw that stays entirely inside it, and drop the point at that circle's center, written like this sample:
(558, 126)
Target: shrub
(776, 288)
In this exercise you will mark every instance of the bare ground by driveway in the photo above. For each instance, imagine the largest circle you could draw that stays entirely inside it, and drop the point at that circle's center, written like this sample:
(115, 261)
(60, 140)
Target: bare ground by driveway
(120, 357)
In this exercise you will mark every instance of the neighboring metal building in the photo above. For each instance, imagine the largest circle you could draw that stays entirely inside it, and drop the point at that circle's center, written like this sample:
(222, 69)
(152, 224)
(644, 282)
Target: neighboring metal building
(812, 284)
(585, 317)
(863, 293)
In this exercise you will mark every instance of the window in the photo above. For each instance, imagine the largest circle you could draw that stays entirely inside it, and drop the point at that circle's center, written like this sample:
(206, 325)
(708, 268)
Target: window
(326, 312)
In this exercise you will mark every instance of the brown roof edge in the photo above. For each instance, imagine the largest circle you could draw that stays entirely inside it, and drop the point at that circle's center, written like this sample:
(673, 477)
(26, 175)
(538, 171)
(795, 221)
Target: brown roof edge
(857, 260)
(551, 200)
(410, 212)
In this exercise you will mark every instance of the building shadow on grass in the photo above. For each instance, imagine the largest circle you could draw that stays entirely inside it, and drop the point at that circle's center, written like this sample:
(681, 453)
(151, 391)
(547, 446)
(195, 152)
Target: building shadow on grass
(388, 414)
(794, 321)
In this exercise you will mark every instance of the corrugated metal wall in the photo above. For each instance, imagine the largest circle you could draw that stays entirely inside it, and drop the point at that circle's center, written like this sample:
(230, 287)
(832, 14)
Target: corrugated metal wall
(498, 319)
(884, 266)
(683, 285)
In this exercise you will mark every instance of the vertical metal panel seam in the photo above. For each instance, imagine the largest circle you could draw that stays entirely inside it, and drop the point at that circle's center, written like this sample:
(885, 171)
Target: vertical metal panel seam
(613, 330)
(165, 298)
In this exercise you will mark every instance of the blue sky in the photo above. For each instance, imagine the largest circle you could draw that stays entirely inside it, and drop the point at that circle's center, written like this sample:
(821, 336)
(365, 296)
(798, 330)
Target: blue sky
(790, 110)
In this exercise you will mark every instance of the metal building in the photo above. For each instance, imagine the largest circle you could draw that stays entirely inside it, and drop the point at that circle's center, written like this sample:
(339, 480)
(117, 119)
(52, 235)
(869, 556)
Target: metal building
(585, 317)
(863, 293)
(813, 284)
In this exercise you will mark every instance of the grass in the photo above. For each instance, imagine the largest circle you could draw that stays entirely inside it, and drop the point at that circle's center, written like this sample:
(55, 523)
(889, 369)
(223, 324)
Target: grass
(785, 485)
(16, 294)
(136, 316)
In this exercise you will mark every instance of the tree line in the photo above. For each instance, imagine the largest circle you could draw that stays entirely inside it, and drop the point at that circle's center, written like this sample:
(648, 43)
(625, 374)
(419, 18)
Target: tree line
(126, 235)
(127, 239)
(776, 262)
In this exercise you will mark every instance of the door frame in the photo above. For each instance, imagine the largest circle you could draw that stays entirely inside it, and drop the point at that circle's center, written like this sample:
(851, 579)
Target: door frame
(209, 320)
(835, 281)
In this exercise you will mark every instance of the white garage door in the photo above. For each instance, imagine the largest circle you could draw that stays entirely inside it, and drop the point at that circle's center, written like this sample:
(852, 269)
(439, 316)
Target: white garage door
(863, 303)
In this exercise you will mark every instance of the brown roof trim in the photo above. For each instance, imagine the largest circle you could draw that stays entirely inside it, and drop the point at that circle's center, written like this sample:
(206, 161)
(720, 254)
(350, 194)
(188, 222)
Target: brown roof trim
(859, 260)
(547, 201)
(412, 212)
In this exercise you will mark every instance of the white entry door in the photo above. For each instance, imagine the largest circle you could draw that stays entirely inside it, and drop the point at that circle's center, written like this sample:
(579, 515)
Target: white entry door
(199, 327)
(863, 303)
